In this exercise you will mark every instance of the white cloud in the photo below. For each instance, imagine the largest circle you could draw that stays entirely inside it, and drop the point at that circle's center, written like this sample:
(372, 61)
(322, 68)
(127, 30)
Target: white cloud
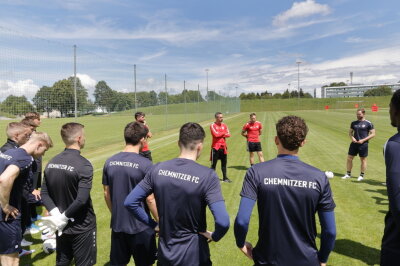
(25, 88)
(301, 10)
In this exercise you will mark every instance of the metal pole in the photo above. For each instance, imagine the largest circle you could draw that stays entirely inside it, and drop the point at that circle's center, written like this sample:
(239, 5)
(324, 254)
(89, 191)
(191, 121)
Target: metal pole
(76, 101)
(134, 71)
(207, 82)
(198, 101)
(166, 102)
(184, 98)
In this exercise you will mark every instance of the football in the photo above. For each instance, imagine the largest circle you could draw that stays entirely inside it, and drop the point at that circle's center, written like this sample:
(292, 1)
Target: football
(329, 174)
(49, 246)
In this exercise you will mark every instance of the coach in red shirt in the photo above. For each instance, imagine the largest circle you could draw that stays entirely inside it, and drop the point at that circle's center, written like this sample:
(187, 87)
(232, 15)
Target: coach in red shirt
(252, 131)
(219, 150)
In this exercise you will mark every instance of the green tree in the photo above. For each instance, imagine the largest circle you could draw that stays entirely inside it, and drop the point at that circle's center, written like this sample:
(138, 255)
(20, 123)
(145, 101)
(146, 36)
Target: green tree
(286, 94)
(104, 96)
(43, 99)
(17, 105)
(380, 91)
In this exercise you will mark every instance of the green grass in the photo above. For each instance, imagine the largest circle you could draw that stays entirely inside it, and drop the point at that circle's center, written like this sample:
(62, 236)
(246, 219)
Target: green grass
(360, 206)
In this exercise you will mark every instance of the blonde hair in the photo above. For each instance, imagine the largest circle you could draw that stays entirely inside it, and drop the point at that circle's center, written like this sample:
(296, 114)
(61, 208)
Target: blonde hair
(43, 137)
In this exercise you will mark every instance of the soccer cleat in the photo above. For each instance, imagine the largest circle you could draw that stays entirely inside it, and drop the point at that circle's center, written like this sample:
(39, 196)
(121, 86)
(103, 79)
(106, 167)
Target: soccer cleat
(227, 180)
(346, 176)
(360, 178)
(25, 243)
(33, 229)
(25, 252)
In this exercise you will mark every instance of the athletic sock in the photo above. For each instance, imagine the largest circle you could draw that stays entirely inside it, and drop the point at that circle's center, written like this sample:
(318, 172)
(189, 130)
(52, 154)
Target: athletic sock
(349, 173)
(251, 164)
(362, 174)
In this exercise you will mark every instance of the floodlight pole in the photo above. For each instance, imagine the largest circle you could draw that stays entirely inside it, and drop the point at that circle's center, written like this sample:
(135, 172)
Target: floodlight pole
(75, 96)
(166, 102)
(207, 81)
(298, 62)
(134, 74)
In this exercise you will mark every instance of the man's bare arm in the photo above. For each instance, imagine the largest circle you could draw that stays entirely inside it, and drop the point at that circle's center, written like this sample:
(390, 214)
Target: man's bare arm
(107, 197)
(151, 203)
(7, 179)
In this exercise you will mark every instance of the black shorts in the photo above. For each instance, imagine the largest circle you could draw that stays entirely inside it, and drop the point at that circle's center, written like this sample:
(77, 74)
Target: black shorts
(81, 247)
(10, 236)
(360, 149)
(141, 246)
(253, 146)
(146, 154)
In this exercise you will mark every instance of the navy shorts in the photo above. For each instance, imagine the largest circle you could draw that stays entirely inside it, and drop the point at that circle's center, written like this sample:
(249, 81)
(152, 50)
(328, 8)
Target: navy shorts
(81, 247)
(146, 154)
(141, 246)
(10, 236)
(360, 149)
(253, 146)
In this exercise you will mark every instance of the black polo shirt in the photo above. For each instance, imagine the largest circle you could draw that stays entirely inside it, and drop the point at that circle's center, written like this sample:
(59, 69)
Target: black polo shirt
(64, 175)
(122, 172)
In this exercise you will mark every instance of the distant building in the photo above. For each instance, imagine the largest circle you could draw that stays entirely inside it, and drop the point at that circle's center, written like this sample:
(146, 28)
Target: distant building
(353, 90)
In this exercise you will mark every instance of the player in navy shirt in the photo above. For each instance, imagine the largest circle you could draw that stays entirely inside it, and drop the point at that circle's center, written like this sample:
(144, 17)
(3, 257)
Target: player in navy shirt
(15, 168)
(390, 252)
(360, 132)
(121, 173)
(66, 194)
(182, 189)
(289, 193)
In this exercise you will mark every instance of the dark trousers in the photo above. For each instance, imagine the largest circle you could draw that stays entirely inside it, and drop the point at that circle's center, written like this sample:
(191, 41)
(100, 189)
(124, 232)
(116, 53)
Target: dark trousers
(219, 155)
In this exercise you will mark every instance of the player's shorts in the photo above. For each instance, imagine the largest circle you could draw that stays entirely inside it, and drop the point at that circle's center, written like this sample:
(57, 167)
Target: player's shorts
(253, 146)
(360, 149)
(146, 154)
(141, 246)
(82, 247)
(10, 236)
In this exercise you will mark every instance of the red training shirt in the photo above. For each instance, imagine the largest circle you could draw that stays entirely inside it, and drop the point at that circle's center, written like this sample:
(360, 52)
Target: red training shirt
(219, 132)
(253, 131)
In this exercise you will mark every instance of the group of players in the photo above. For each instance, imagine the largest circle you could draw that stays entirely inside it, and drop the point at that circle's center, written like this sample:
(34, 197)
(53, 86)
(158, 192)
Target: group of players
(169, 199)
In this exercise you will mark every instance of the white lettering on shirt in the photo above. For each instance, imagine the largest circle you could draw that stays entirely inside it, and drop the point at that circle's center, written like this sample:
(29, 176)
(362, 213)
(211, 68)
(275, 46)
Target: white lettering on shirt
(124, 164)
(61, 167)
(182, 176)
(289, 182)
(5, 156)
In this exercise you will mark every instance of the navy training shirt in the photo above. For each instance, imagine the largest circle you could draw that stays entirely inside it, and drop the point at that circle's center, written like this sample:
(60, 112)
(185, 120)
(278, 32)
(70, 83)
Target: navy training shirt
(391, 236)
(288, 194)
(64, 175)
(20, 158)
(182, 189)
(361, 129)
(122, 172)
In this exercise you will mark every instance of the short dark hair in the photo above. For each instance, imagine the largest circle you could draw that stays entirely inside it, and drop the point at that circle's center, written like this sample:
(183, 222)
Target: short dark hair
(134, 132)
(252, 114)
(70, 131)
(292, 131)
(32, 115)
(190, 135)
(362, 110)
(395, 101)
(137, 114)
(217, 114)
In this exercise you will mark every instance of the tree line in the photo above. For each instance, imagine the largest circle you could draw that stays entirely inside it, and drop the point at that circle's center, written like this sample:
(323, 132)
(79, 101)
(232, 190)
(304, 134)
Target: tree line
(61, 97)
(268, 95)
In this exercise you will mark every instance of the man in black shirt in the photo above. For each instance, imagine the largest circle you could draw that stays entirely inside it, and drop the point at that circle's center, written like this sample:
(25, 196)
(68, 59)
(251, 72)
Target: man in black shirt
(17, 135)
(183, 189)
(121, 173)
(15, 168)
(361, 131)
(66, 193)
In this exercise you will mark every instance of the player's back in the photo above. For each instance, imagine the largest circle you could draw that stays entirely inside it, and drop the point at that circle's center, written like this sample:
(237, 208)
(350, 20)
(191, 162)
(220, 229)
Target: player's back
(182, 189)
(290, 192)
(63, 176)
(122, 172)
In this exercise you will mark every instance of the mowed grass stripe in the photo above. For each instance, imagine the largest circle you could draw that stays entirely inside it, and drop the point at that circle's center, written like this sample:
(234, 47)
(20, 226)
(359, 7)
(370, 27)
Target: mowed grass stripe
(360, 206)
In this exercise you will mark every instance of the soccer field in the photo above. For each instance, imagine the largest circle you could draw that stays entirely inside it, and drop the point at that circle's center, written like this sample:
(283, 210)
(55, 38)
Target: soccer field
(361, 206)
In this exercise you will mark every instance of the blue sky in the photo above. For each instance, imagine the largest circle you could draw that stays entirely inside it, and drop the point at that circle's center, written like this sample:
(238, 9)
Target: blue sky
(252, 45)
